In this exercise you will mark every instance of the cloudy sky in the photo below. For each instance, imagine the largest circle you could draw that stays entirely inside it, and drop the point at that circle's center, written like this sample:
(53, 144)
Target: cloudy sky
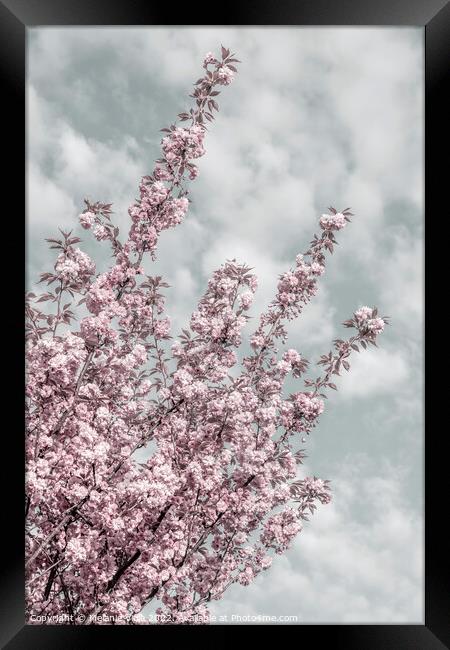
(316, 117)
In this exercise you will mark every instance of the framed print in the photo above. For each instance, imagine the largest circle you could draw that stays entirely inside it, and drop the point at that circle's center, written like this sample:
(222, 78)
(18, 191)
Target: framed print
(224, 321)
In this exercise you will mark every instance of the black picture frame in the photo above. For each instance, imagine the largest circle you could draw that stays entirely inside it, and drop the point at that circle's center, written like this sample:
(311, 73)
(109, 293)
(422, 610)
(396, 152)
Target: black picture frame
(15, 17)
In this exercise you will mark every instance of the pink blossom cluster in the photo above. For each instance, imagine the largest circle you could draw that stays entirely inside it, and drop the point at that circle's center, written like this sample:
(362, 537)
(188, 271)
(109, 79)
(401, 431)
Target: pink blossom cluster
(333, 221)
(366, 320)
(184, 144)
(74, 267)
(223, 69)
(309, 407)
(219, 491)
(280, 530)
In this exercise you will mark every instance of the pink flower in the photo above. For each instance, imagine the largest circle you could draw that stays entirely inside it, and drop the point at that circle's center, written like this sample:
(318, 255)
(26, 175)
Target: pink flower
(317, 269)
(257, 341)
(209, 58)
(333, 221)
(375, 325)
(310, 407)
(292, 356)
(100, 233)
(225, 75)
(246, 576)
(87, 219)
(362, 314)
(221, 506)
(246, 299)
(280, 530)
(312, 488)
(74, 266)
(162, 328)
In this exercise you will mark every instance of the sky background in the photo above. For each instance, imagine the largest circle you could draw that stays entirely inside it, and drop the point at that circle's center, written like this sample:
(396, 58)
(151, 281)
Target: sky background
(316, 117)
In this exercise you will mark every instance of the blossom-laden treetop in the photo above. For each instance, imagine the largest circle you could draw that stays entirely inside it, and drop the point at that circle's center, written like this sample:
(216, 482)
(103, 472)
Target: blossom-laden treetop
(221, 489)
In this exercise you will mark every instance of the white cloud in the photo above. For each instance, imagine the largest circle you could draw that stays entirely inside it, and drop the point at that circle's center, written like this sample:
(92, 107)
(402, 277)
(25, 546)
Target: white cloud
(80, 167)
(51, 203)
(401, 279)
(316, 327)
(372, 372)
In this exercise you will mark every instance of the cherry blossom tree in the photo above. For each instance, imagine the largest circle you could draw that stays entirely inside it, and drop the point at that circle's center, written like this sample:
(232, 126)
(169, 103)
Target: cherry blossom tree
(221, 488)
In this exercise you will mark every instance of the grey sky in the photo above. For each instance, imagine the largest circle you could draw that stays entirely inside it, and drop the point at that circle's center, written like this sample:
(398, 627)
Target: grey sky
(316, 117)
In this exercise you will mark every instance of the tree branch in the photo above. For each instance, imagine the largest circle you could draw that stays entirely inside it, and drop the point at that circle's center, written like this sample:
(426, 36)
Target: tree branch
(116, 577)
